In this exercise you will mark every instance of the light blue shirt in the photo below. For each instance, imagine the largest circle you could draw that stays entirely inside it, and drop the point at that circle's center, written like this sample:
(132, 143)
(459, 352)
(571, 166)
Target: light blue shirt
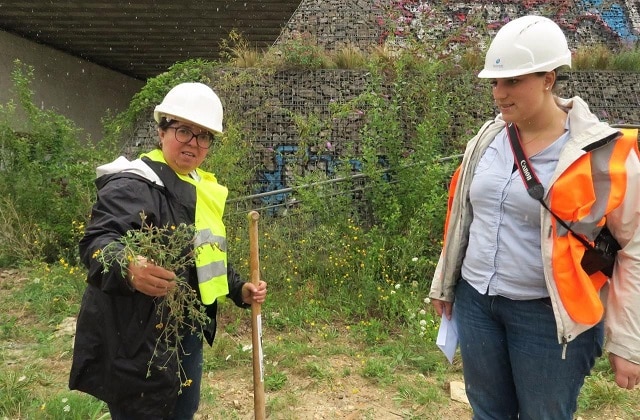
(503, 256)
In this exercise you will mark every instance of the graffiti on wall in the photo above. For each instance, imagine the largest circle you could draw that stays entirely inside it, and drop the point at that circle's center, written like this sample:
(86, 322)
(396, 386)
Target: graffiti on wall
(623, 19)
(273, 185)
(459, 23)
(285, 157)
(584, 21)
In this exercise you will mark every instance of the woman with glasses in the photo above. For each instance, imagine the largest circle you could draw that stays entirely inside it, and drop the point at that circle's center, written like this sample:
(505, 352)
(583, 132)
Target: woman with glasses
(118, 357)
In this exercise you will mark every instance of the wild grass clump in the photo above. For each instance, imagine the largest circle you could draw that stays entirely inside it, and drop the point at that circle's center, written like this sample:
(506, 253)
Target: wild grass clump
(602, 57)
(628, 59)
(238, 53)
(21, 239)
(349, 56)
(597, 57)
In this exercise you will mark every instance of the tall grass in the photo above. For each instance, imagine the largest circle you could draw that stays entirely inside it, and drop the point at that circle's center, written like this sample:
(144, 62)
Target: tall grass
(602, 57)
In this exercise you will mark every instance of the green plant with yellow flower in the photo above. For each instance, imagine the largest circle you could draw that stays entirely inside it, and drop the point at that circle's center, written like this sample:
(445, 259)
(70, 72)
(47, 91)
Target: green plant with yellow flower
(180, 311)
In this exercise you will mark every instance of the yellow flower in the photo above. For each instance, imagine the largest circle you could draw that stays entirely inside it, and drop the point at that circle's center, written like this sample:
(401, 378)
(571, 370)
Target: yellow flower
(187, 382)
(159, 325)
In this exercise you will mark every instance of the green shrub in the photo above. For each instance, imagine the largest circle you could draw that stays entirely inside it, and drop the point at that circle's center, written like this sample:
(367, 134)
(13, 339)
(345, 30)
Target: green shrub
(47, 179)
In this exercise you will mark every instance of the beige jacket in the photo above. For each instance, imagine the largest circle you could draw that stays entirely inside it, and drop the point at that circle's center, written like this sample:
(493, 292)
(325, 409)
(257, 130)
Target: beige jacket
(621, 295)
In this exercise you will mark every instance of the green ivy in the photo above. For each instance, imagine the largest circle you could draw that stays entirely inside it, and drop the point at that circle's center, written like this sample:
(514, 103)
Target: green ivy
(120, 127)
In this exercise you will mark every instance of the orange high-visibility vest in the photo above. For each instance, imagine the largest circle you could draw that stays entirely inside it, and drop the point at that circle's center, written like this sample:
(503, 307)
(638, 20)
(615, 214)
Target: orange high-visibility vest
(583, 195)
(452, 192)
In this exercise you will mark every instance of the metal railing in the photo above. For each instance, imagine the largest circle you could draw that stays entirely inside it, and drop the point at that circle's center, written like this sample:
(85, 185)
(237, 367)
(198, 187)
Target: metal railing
(273, 209)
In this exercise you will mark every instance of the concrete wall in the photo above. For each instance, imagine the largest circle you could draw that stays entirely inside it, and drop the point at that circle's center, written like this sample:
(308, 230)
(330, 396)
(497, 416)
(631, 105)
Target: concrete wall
(79, 90)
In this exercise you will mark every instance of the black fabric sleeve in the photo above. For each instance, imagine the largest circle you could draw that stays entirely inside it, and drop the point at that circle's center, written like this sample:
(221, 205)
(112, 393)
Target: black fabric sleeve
(116, 211)
(235, 282)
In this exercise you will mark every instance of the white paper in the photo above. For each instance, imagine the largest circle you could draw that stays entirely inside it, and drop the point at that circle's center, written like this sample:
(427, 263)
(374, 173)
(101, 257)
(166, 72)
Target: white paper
(448, 337)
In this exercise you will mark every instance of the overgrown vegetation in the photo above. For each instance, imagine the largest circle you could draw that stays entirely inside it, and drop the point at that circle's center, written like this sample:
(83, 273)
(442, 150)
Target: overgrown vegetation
(46, 182)
(349, 264)
(601, 57)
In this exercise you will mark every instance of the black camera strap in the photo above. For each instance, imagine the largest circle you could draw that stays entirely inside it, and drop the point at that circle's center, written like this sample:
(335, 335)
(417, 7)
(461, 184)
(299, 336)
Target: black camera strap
(531, 182)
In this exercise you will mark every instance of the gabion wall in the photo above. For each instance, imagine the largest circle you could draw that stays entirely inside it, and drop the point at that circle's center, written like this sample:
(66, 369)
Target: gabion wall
(613, 96)
(268, 108)
(268, 103)
(454, 23)
(335, 23)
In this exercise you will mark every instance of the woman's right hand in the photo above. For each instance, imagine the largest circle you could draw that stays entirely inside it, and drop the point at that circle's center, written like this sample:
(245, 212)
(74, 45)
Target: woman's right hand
(442, 307)
(150, 279)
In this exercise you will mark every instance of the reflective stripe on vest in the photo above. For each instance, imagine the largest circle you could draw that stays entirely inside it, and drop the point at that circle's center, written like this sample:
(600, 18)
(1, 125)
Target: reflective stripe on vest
(211, 264)
(210, 243)
(211, 237)
(585, 193)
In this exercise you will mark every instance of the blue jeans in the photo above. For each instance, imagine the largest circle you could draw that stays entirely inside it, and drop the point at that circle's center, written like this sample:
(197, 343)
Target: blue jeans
(512, 362)
(189, 399)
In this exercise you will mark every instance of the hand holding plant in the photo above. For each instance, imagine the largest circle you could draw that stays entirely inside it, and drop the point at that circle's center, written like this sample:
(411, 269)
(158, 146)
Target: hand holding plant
(152, 254)
(148, 278)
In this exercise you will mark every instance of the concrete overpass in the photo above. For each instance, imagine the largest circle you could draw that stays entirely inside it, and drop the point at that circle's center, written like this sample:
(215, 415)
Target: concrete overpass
(90, 56)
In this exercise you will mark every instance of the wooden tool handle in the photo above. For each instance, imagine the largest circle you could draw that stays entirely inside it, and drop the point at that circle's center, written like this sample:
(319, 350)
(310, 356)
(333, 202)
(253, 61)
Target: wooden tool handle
(256, 320)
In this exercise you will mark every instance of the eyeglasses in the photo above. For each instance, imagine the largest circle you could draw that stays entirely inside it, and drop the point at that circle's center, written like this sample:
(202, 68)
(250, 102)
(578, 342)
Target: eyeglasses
(184, 135)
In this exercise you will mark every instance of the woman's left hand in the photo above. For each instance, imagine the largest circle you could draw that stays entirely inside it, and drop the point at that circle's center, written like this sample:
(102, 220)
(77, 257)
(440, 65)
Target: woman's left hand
(627, 373)
(254, 294)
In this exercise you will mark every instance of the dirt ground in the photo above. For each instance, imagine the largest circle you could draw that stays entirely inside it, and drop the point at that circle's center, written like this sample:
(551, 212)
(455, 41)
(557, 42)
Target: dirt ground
(336, 396)
(351, 398)
(228, 393)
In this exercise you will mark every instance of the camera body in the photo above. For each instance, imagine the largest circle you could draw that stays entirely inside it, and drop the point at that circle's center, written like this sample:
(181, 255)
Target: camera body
(602, 256)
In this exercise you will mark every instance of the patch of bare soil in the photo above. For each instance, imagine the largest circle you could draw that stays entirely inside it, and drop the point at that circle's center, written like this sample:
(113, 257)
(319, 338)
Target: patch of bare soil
(350, 397)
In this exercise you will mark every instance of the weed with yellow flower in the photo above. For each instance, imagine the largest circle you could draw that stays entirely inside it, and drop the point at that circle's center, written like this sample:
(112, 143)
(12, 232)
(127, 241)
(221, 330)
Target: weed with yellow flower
(180, 311)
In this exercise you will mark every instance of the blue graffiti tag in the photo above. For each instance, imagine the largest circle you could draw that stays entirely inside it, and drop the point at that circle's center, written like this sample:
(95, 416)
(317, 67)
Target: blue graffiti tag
(614, 15)
(288, 156)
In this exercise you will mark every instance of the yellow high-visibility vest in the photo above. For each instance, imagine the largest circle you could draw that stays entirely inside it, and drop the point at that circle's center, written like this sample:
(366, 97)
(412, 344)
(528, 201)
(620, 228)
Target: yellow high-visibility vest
(210, 244)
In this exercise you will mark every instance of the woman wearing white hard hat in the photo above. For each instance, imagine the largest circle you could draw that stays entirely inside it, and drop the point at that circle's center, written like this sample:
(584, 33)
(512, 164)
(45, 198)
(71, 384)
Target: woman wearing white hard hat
(118, 325)
(538, 186)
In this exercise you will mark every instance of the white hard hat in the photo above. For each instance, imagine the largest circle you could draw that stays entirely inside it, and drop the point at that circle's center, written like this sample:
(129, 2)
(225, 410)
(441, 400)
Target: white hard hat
(193, 102)
(526, 45)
